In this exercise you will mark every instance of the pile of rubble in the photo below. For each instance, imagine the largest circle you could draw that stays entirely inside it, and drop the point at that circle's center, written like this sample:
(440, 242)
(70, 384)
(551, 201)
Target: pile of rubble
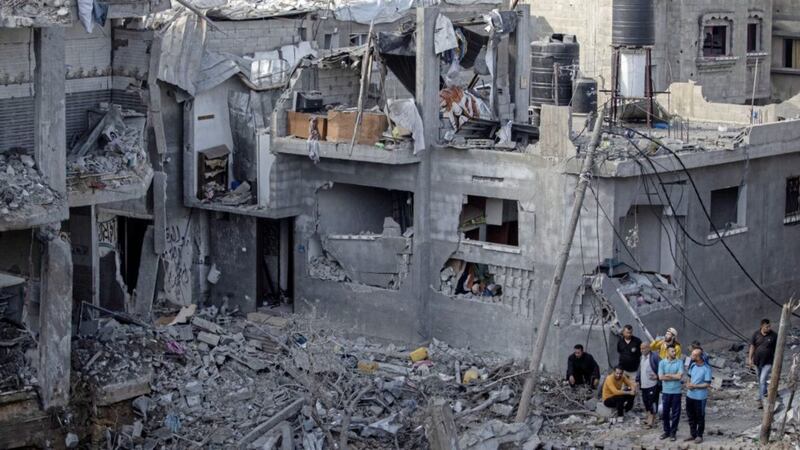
(111, 155)
(22, 186)
(212, 379)
(209, 379)
(641, 288)
(17, 350)
(28, 13)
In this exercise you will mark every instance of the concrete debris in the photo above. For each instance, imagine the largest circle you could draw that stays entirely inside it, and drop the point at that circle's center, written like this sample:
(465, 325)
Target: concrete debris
(646, 288)
(324, 268)
(29, 13)
(71, 441)
(17, 350)
(244, 383)
(111, 155)
(22, 186)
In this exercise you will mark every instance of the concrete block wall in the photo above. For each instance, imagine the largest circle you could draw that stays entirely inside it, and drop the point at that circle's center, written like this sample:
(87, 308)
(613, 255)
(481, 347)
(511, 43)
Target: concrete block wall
(88, 70)
(675, 56)
(249, 36)
(724, 79)
(131, 55)
(285, 185)
(589, 21)
(339, 86)
(88, 55)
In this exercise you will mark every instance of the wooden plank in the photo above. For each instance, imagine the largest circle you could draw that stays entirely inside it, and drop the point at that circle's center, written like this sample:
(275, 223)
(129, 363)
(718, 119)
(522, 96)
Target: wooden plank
(297, 125)
(342, 123)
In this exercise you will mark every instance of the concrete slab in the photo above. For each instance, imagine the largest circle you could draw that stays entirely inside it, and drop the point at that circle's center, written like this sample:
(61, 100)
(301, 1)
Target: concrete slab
(148, 275)
(55, 319)
(160, 212)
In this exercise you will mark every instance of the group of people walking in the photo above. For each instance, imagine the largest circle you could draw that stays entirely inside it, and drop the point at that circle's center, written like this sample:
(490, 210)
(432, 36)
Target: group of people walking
(657, 369)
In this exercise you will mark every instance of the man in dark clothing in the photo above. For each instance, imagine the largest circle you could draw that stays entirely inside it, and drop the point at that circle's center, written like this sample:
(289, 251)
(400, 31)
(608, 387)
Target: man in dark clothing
(762, 352)
(582, 368)
(630, 352)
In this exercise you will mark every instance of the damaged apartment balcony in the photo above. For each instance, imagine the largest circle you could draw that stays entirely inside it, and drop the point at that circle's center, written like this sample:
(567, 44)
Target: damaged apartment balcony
(26, 199)
(330, 135)
(341, 150)
(109, 163)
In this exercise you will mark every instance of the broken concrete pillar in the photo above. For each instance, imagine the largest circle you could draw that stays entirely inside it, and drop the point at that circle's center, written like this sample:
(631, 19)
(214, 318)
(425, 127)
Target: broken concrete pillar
(159, 212)
(55, 323)
(148, 275)
(50, 135)
(440, 427)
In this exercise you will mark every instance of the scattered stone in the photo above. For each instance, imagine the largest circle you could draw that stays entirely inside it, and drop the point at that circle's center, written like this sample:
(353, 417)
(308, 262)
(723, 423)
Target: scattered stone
(71, 441)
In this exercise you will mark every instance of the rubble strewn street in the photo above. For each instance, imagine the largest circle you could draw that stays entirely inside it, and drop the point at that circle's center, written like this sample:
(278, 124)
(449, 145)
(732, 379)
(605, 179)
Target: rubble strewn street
(214, 380)
(399, 224)
(206, 378)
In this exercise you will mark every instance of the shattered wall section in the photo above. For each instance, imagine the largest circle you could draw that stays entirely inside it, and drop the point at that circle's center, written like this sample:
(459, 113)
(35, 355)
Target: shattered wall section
(29, 13)
(234, 253)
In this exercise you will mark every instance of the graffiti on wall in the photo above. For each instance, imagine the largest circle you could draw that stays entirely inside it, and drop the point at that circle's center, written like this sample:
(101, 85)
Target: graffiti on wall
(183, 253)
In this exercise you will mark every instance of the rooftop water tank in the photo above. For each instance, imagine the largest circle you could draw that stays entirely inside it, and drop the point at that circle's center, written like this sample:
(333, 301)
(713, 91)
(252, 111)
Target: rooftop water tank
(584, 96)
(561, 49)
(633, 23)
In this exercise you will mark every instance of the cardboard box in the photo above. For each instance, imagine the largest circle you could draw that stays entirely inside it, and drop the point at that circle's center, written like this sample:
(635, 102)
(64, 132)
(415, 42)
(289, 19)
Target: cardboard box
(342, 123)
(298, 125)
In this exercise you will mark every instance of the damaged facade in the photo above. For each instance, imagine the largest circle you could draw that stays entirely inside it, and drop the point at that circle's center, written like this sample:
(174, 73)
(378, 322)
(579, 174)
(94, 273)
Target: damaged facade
(394, 179)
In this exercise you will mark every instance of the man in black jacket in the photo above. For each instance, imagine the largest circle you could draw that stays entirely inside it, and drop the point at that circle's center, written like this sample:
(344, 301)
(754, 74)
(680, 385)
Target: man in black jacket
(630, 352)
(582, 368)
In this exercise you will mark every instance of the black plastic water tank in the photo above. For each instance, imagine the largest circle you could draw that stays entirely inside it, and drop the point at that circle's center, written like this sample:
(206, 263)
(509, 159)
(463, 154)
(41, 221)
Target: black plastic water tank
(633, 23)
(562, 49)
(584, 96)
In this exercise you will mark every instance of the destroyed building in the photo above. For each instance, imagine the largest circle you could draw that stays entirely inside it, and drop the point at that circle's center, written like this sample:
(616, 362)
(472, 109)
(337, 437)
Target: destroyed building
(402, 171)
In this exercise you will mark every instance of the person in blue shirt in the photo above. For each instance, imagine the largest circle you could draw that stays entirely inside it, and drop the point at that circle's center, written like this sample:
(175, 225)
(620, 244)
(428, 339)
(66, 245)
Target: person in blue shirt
(670, 372)
(697, 394)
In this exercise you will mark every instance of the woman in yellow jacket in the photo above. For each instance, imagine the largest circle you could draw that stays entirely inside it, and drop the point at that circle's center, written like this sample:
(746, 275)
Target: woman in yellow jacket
(660, 344)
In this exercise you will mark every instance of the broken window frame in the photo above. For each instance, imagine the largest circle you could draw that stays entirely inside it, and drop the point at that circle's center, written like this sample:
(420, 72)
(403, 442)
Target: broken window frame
(357, 39)
(730, 228)
(707, 48)
(792, 204)
(485, 243)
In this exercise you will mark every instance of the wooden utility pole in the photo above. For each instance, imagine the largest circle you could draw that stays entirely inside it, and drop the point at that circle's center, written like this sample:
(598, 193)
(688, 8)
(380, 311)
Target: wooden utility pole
(775, 378)
(561, 264)
(792, 388)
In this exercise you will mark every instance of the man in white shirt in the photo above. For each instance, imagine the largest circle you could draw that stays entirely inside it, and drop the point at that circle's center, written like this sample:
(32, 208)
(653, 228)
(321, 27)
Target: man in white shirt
(647, 378)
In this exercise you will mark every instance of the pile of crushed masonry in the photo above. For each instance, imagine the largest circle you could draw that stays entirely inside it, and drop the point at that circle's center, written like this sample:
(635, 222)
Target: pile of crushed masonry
(210, 379)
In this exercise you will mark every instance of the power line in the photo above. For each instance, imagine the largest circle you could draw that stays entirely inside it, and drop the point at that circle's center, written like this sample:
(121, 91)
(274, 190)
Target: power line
(704, 295)
(705, 212)
(635, 261)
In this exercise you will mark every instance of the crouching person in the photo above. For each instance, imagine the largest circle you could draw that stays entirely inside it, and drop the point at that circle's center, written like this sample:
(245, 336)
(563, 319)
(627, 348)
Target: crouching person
(582, 368)
(618, 392)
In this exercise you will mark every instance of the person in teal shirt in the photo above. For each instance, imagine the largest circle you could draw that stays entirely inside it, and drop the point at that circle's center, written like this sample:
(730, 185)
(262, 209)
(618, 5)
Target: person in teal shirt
(670, 372)
(697, 394)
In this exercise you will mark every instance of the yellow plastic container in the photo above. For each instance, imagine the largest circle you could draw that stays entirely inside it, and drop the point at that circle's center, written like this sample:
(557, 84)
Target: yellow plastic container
(419, 354)
(367, 366)
(470, 376)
